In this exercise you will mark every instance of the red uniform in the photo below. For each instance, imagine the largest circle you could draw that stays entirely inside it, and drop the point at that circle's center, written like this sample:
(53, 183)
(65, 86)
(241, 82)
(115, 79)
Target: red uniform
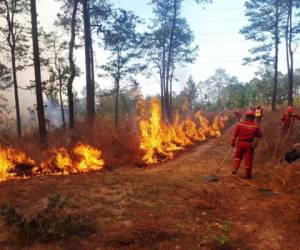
(238, 115)
(244, 133)
(287, 119)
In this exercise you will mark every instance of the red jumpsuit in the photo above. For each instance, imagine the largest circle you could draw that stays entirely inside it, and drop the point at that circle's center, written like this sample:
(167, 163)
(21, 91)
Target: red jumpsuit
(287, 119)
(238, 115)
(244, 133)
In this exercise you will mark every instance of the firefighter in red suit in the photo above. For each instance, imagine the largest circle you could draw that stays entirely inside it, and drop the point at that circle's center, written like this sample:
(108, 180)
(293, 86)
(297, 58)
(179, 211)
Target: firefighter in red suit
(238, 115)
(246, 136)
(288, 119)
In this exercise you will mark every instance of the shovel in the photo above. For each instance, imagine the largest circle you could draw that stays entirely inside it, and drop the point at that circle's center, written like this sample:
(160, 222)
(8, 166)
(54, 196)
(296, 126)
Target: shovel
(215, 177)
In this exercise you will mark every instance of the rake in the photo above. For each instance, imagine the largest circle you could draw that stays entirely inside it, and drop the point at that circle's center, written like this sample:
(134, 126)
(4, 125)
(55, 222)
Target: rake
(263, 191)
(215, 177)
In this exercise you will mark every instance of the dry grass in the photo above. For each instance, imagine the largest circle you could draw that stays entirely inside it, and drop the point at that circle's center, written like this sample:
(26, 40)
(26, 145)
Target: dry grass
(119, 146)
(168, 206)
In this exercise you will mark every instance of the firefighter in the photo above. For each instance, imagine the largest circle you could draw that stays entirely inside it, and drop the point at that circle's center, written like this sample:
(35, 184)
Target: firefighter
(288, 119)
(258, 114)
(246, 137)
(238, 115)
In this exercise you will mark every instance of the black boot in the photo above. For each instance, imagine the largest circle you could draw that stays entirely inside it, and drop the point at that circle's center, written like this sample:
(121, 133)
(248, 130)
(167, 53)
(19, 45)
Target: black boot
(248, 173)
(234, 171)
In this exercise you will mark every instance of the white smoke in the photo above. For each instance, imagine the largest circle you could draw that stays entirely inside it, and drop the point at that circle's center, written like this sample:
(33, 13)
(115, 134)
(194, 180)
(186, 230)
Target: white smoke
(53, 114)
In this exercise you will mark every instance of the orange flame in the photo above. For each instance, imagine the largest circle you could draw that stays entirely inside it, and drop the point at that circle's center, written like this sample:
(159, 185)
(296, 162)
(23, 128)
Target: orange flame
(159, 141)
(82, 158)
(89, 158)
(9, 158)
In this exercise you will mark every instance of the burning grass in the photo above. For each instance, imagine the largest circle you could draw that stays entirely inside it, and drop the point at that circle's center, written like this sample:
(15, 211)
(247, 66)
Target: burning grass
(82, 158)
(168, 206)
(160, 141)
(91, 146)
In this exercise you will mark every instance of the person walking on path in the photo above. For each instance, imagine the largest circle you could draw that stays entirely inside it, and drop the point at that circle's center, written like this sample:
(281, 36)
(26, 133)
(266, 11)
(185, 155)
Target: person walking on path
(245, 137)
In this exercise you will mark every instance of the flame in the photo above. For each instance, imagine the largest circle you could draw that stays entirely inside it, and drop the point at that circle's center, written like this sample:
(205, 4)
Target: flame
(156, 139)
(9, 159)
(89, 158)
(204, 128)
(160, 141)
(82, 158)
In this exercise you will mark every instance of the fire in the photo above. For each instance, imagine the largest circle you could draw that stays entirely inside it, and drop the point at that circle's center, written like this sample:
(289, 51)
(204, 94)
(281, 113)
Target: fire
(89, 158)
(82, 158)
(204, 128)
(160, 141)
(9, 159)
(157, 140)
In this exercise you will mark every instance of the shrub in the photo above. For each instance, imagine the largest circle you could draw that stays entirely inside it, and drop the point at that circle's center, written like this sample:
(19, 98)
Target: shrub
(51, 224)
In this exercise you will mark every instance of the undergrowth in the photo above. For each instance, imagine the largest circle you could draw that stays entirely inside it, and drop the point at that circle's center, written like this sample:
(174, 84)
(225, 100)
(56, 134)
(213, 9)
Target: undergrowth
(218, 238)
(273, 144)
(53, 223)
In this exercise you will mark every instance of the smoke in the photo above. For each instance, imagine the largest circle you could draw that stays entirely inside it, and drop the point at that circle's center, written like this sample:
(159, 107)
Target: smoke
(53, 114)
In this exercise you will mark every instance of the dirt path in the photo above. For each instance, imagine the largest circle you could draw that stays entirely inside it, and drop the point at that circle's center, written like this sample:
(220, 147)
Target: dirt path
(169, 207)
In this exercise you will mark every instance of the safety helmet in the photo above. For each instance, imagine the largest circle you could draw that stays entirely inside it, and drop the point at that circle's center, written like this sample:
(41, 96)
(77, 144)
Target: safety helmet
(290, 109)
(250, 112)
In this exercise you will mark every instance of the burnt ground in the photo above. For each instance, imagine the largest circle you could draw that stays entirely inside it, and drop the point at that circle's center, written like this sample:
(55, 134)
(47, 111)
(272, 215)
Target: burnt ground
(169, 206)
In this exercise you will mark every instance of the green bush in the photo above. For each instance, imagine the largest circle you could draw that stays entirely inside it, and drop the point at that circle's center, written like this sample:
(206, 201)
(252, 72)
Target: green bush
(51, 224)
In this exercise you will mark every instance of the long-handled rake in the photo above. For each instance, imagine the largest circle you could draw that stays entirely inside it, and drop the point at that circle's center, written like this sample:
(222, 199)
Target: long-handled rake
(215, 177)
(263, 191)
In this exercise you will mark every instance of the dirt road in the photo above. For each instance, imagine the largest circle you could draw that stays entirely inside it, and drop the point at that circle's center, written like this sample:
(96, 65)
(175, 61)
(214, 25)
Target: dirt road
(168, 206)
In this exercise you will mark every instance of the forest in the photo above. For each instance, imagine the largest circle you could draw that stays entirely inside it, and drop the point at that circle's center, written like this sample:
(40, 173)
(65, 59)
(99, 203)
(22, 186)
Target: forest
(94, 161)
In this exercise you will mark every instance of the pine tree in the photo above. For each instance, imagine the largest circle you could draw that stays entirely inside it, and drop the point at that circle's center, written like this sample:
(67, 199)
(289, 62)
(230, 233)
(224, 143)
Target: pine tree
(37, 71)
(14, 30)
(266, 18)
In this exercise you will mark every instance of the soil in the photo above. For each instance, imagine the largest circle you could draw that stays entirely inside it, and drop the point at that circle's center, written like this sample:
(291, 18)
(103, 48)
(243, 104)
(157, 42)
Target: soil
(169, 206)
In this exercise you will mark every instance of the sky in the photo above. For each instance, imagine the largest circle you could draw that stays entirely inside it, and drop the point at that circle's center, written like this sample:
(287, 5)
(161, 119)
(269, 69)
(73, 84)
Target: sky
(216, 29)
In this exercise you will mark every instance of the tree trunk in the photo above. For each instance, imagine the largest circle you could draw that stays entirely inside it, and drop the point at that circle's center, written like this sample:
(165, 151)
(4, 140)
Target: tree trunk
(37, 71)
(93, 78)
(72, 66)
(170, 59)
(11, 39)
(288, 58)
(90, 86)
(117, 102)
(290, 53)
(219, 95)
(274, 91)
(162, 94)
(164, 108)
(117, 87)
(61, 103)
(171, 94)
(14, 71)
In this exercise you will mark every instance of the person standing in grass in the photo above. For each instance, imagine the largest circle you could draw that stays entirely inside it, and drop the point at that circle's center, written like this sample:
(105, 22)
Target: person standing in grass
(238, 115)
(258, 114)
(288, 120)
(246, 137)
